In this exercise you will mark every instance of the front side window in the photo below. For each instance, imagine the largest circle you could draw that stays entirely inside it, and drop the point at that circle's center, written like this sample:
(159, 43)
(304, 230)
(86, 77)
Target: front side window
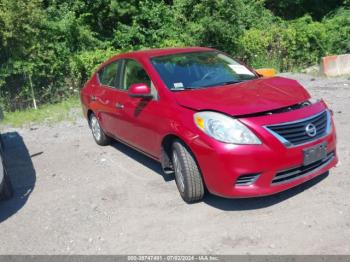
(108, 75)
(200, 69)
(134, 74)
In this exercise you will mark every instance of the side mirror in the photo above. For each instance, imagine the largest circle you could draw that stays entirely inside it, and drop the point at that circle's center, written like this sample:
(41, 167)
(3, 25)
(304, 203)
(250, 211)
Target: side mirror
(140, 90)
(266, 72)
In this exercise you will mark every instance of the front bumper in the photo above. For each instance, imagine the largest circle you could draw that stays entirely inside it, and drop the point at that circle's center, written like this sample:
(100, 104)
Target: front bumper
(222, 164)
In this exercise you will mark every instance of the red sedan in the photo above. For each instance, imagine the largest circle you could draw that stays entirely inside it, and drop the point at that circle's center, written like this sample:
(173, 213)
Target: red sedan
(212, 121)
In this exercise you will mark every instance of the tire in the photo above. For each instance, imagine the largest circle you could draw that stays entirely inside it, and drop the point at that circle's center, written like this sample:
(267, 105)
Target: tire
(100, 137)
(6, 190)
(187, 175)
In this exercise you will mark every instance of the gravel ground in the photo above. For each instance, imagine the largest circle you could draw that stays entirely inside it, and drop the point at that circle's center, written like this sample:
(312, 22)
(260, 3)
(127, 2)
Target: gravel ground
(74, 197)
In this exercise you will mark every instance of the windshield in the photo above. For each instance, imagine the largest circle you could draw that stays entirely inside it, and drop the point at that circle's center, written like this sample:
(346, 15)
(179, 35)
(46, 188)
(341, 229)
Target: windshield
(200, 69)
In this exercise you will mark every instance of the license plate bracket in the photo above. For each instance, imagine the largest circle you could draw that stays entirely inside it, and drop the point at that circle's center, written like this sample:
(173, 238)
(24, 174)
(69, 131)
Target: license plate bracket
(315, 153)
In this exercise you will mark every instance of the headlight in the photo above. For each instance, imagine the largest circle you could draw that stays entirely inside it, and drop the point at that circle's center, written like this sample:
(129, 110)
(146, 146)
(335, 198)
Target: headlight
(224, 128)
(310, 102)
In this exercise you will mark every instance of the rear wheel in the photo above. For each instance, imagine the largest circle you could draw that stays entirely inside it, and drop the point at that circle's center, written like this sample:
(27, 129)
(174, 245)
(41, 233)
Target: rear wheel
(187, 175)
(100, 137)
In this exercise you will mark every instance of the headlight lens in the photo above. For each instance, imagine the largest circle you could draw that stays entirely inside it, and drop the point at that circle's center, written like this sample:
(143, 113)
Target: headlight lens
(224, 128)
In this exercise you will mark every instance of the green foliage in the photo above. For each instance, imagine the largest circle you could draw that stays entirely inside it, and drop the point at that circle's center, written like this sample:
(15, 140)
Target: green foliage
(292, 9)
(21, 23)
(338, 31)
(57, 44)
(83, 64)
(218, 23)
(298, 43)
(151, 26)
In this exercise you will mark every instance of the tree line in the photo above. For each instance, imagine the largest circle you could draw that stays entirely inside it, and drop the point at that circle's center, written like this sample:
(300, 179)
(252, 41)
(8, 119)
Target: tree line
(48, 48)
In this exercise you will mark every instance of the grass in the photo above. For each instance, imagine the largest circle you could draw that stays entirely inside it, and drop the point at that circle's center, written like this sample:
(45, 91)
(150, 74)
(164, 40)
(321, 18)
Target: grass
(50, 113)
(263, 62)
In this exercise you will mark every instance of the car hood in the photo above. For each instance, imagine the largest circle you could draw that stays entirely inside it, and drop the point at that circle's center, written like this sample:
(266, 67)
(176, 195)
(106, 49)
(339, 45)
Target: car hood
(255, 96)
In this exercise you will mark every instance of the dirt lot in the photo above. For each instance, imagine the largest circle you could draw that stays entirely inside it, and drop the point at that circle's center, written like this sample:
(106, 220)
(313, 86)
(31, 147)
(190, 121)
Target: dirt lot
(74, 197)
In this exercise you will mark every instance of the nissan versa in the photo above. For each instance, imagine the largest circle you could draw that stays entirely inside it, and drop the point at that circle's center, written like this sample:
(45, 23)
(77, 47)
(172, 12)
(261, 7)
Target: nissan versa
(215, 123)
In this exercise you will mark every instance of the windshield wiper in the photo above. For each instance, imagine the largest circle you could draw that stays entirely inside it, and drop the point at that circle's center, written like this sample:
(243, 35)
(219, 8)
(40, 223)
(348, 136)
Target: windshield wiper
(211, 85)
(229, 83)
(222, 84)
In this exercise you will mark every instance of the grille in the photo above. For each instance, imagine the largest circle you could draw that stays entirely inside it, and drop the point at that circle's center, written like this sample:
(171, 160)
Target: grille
(294, 133)
(297, 172)
(246, 180)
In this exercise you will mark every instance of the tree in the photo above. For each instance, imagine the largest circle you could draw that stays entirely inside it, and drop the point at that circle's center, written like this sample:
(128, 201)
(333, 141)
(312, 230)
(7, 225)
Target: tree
(20, 43)
(48, 48)
(291, 9)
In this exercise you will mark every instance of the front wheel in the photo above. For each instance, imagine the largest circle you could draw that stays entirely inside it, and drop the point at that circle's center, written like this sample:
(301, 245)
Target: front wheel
(100, 137)
(187, 175)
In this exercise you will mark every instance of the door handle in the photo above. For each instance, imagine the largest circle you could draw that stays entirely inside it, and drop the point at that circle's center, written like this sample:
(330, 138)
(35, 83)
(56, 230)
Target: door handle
(119, 106)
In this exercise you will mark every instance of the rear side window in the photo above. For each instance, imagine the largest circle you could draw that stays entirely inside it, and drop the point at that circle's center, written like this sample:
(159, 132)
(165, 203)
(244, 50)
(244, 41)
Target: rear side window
(108, 74)
(134, 74)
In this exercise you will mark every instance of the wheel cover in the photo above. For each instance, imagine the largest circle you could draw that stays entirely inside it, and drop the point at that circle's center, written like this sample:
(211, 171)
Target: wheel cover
(180, 180)
(96, 129)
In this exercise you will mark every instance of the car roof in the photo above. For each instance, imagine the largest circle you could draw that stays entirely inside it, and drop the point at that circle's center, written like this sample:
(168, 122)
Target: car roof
(166, 51)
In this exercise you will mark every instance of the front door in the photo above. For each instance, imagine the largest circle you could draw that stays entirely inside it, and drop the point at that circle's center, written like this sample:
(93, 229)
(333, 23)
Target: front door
(138, 115)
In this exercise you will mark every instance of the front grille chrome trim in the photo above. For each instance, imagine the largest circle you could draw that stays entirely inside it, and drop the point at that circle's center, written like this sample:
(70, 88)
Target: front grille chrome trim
(289, 144)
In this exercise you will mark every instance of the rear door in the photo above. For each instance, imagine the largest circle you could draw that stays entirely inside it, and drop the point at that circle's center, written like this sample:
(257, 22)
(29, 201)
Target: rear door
(106, 94)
